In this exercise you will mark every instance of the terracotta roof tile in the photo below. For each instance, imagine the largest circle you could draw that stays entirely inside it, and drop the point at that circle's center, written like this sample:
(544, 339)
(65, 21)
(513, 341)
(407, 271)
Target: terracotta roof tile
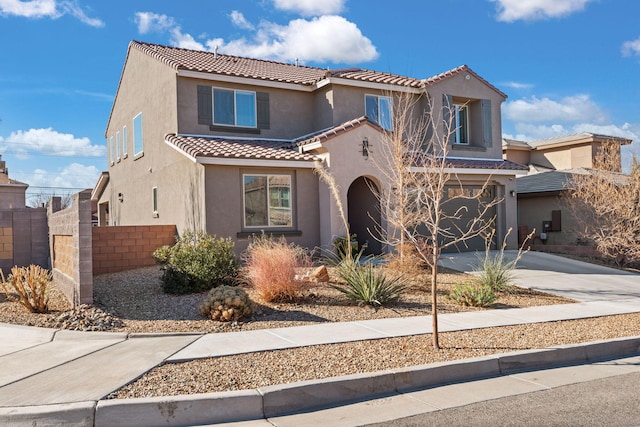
(376, 77)
(468, 163)
(326, 134)
(217, 147)
(208, 62)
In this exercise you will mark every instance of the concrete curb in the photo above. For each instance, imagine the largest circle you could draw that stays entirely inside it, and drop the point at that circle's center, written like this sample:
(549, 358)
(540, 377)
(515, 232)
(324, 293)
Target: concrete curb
(286, 399)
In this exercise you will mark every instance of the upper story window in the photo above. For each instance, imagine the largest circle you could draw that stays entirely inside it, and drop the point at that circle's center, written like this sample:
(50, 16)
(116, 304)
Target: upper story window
(111, 153)
(379, 109)
(234, 108)
(124, 142)
(467, 121)
(460, 124)
(138, 146)
(267, 201)
(118, 146)
(231, 110)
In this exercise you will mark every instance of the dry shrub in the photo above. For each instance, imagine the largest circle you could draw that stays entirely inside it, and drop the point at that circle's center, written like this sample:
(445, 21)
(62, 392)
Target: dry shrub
(407, 261)
(271, 266)
(28, 286)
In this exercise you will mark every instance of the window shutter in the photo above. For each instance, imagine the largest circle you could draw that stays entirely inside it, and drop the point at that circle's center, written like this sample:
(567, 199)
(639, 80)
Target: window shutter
(486, 123)
(205, 105)
(262, 105)
(447, 106)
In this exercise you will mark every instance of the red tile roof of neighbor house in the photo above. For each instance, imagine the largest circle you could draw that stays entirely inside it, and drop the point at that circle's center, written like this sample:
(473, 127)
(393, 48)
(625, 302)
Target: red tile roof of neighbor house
(260, 69)
(222, 147)
(469, 163)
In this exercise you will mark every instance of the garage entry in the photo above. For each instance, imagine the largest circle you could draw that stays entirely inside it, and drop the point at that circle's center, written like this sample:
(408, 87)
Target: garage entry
(465, 210)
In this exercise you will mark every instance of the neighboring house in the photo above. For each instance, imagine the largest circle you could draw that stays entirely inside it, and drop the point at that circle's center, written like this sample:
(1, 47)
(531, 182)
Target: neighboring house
(552, 165)
(228, 144)
(12, 192)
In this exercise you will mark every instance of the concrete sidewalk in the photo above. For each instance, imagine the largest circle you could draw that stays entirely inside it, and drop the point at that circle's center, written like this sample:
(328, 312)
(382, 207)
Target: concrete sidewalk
(62, 375)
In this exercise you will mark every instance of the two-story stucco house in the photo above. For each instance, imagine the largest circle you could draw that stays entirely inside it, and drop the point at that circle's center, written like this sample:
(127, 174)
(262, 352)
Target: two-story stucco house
(228, 144)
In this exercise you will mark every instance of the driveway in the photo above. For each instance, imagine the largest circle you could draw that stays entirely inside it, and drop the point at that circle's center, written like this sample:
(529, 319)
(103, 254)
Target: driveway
(560, 276)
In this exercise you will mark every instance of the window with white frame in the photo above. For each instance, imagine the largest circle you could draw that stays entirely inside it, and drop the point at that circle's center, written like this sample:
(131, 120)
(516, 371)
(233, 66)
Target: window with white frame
(118, 146)
(111, 151)
(379, 109)
(124, 142)
(138, 146)
(267, 200)
(154, 198)
(234, 108)
(460, 124)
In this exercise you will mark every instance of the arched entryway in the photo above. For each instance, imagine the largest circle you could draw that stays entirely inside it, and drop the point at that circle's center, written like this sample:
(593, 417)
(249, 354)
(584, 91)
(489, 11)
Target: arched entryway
(363, 207)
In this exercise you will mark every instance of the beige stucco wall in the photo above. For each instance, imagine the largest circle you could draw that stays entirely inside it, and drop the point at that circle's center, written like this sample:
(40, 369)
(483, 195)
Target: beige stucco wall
(533, 210)
(224, 206)
(149, 86)
(291, 112)
(564, 157)
(518, 156)
(346, 164)
(473, 89)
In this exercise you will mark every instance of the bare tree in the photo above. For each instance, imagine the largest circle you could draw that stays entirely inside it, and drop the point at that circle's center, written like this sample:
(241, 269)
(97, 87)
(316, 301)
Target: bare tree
(606, 205)
(418, 207)
(42, 199)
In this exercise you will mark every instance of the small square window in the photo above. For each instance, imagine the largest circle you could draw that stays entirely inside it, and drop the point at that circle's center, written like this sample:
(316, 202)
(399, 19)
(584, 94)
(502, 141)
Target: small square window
(267, 201)
(379, 109)
(234, 108)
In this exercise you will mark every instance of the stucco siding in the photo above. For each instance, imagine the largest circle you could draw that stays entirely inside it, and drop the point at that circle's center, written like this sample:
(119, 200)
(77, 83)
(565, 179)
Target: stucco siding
(532, 211)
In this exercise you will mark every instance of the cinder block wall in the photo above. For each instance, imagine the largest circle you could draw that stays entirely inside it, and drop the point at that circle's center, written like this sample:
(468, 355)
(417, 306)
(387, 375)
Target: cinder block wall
(24, 238)
(122, 248)
(70, 247)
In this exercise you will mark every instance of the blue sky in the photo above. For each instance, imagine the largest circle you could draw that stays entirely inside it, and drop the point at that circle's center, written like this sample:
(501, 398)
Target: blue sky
(567, 65)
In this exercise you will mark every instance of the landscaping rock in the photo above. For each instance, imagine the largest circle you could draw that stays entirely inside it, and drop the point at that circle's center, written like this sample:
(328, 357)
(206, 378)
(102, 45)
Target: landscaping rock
(87, 318)
(320, 274)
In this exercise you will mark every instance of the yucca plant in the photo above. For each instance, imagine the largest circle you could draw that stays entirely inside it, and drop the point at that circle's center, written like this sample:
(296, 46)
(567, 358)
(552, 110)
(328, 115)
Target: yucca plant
(28, 286)
(368, 284)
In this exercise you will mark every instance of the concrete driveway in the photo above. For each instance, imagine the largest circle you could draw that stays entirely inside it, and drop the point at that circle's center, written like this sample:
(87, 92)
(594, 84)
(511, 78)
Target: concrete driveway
(560, 276)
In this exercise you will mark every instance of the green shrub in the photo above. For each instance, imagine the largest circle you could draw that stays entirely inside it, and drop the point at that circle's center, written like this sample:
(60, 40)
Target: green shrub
(226, 303)
(341, 247)
(196, 263)
(368, 284)
(494, 272)
(472, 294)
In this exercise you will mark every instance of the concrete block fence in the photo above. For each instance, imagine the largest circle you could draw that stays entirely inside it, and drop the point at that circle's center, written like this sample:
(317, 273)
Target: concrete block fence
(80, 251)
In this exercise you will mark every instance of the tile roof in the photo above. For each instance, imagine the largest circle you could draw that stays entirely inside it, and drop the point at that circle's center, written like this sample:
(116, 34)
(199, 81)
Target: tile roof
(219, 147)
(209, 62)
(376, 77)
(515, 143)
(470, 163)
(5, 180)
(260, 69)
(578, 137)
(558, 180)
(326, 134)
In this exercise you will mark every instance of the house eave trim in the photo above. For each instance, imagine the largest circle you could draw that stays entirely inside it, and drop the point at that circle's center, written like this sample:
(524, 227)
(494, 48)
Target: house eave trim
(221, 161)
(471, 171)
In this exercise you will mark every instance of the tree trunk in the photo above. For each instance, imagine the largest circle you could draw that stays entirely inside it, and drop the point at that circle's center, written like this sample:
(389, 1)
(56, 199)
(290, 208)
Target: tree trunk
(434, 297)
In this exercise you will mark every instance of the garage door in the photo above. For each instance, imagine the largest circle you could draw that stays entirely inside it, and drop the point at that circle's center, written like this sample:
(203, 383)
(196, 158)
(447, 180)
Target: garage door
(465, 210)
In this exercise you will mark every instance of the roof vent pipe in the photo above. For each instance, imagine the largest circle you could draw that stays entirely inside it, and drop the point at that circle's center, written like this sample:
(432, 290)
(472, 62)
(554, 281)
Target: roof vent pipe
(297, 62)
(215, 52)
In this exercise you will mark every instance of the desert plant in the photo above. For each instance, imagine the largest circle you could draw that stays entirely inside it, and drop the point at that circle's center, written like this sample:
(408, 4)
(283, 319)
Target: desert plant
(344, 249)
(368, 284)
(494, 270)
(271, 266)
(28, 286)
(196, 263)
(226, 303)
(472, 294)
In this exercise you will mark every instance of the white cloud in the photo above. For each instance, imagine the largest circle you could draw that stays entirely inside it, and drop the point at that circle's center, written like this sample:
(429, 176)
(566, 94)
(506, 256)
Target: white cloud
(240, 21)
(148, 22)
(532, 132)
(53, 9)
(311, 7)
(530, 10)
(517, 85)
(323, 39)
(74, 175)
(631, 48)
(578, 108)
(49, 142)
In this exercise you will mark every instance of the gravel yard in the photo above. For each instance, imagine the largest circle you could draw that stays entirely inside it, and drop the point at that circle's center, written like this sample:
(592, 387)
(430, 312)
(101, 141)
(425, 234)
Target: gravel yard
(136, 303)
